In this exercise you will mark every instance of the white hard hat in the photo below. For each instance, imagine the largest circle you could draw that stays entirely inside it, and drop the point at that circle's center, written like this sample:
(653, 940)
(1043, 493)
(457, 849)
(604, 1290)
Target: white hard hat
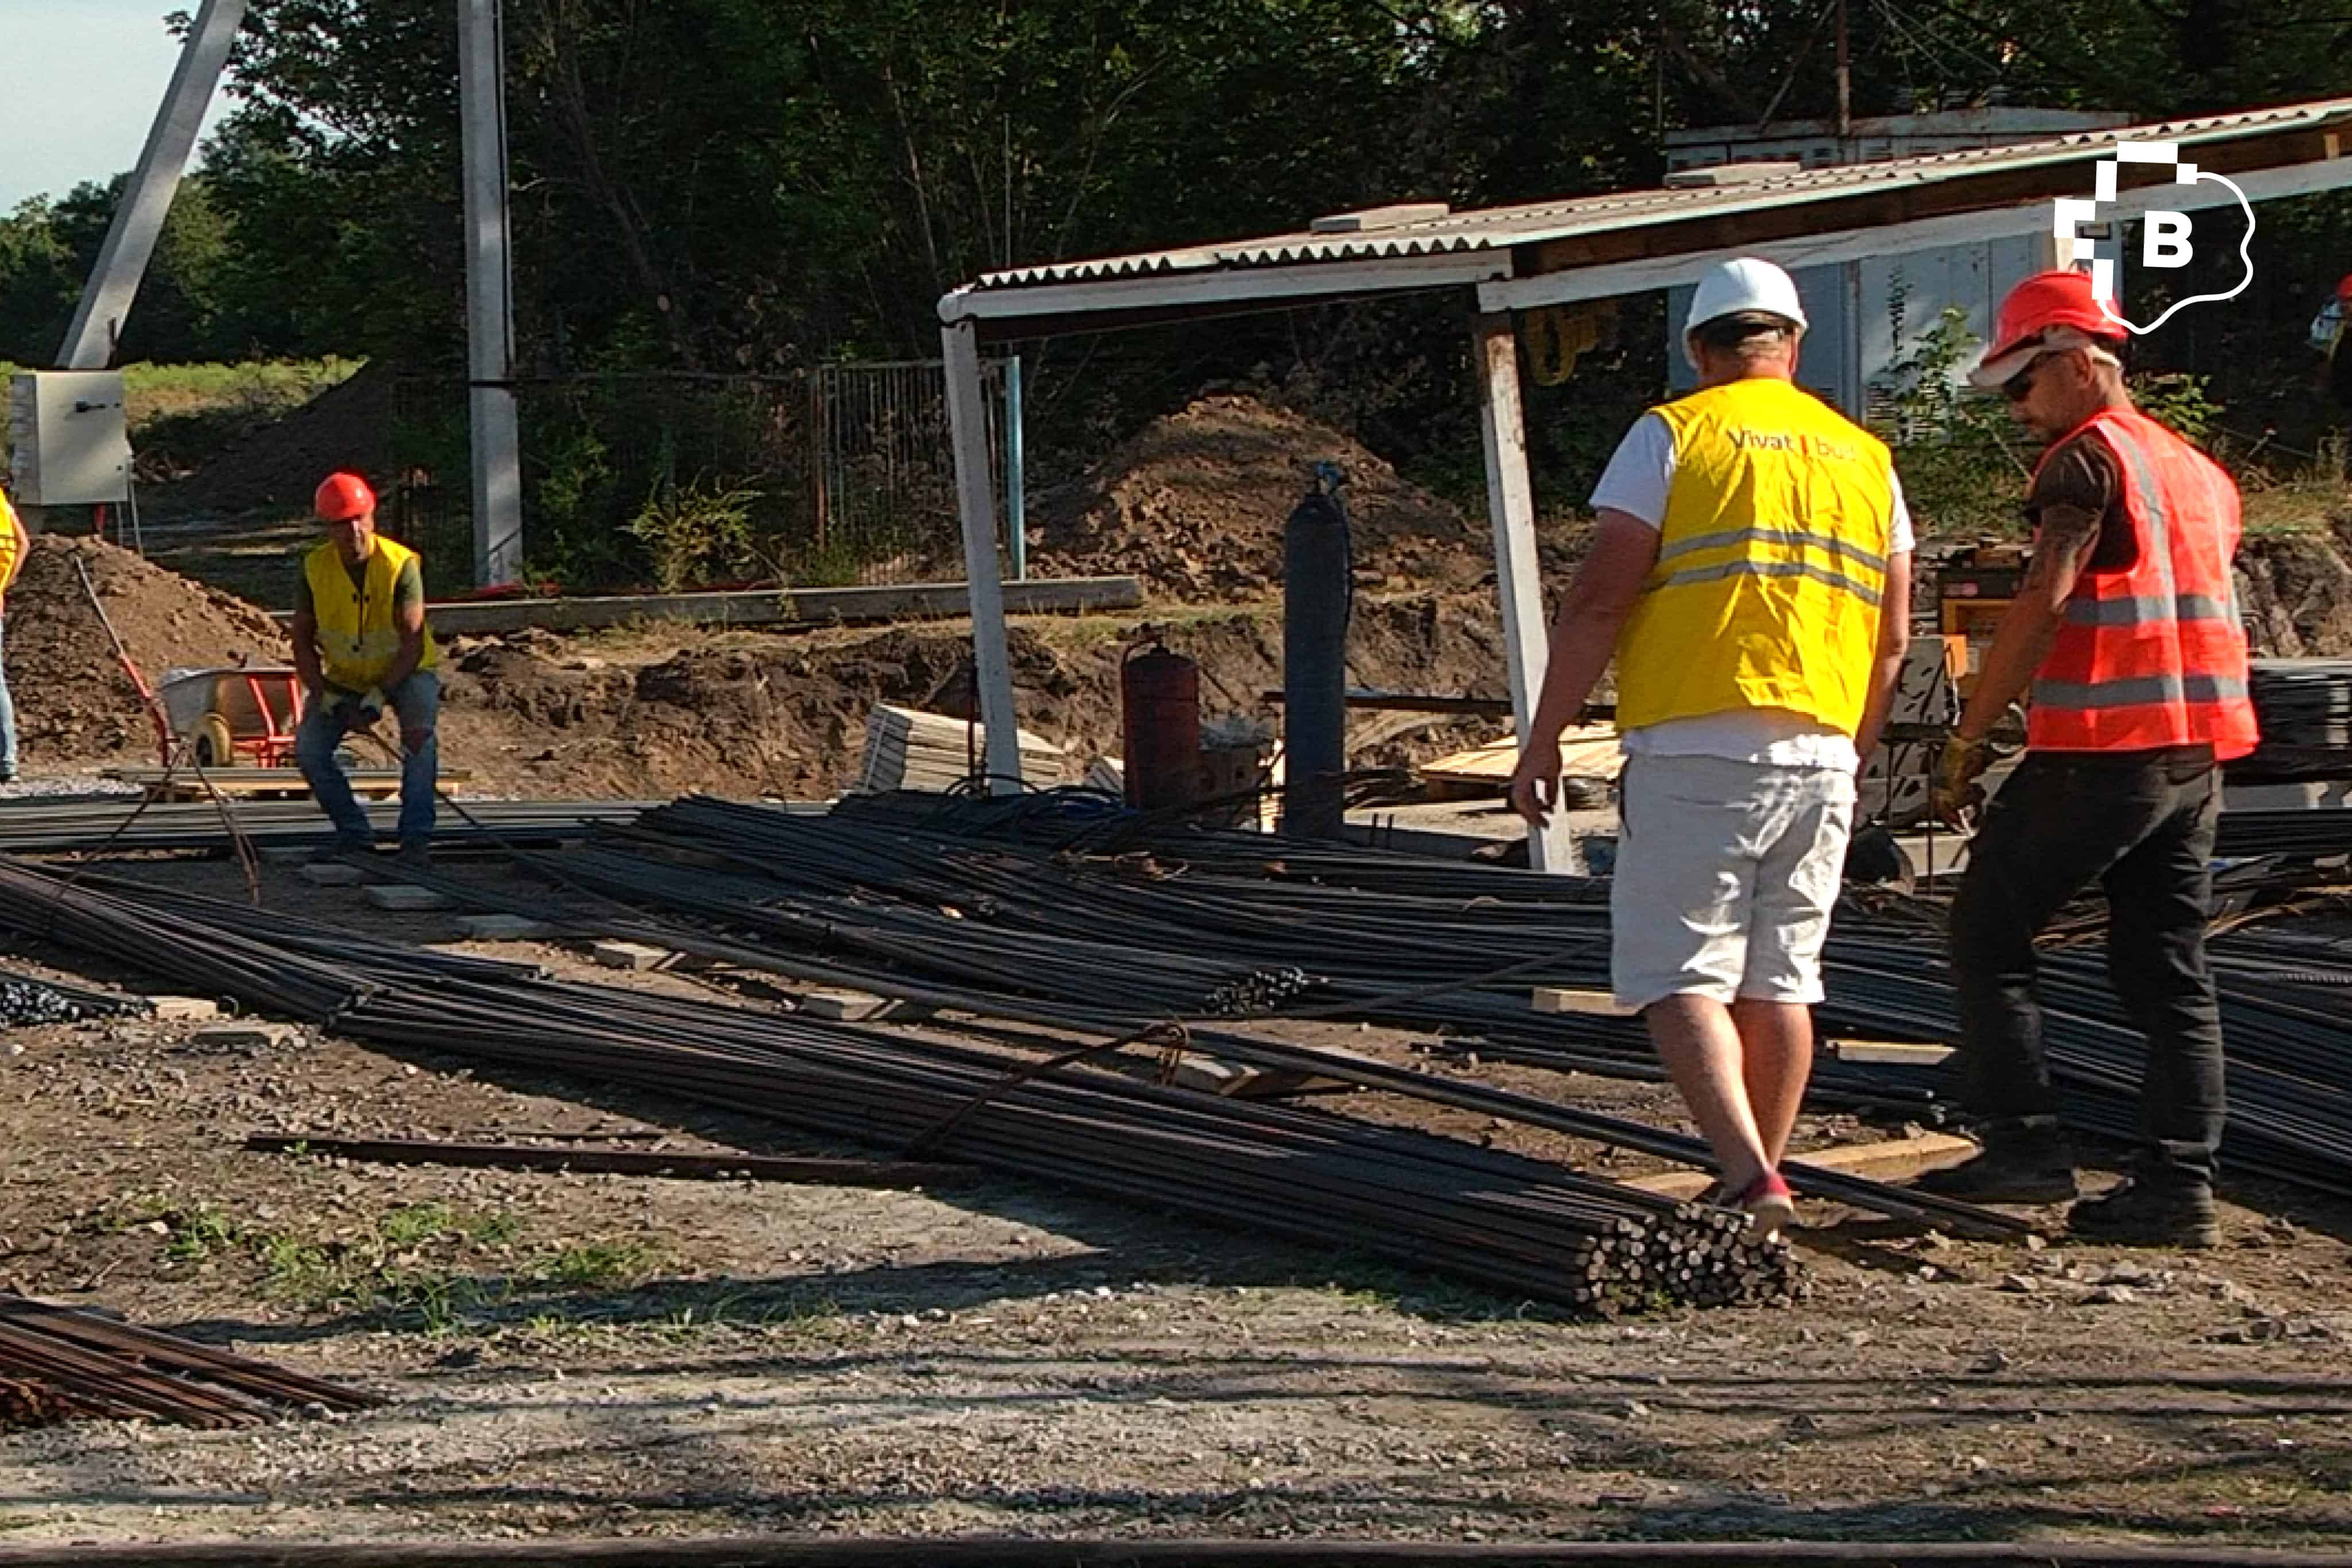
(1745, 284)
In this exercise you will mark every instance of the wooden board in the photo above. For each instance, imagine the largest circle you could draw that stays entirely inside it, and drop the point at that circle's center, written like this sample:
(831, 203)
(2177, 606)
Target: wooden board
(1893, 1160)
(1586, 752)
(1567, 999)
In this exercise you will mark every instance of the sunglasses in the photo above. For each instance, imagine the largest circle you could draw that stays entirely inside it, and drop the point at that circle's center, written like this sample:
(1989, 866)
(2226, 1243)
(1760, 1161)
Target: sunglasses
(2020, 387)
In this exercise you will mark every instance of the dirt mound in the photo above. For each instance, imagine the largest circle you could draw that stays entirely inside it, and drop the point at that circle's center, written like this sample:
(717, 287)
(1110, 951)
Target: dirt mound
(753, 713)
(347, 426)
(1194, 506)
(2298, 592)
(73, 701)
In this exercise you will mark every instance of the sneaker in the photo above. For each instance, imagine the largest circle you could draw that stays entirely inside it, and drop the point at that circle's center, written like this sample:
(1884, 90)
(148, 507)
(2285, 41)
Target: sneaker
(2019, 1163)
(1768, 1204)
(2145, 1213)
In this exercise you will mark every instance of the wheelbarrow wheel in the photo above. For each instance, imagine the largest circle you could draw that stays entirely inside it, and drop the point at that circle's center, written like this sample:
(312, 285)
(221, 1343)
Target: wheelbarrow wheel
(210, 743)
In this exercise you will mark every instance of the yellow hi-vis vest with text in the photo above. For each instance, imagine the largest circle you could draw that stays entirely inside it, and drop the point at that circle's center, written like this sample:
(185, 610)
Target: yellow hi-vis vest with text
(12, 543)
(1771, 563)
(358, 638)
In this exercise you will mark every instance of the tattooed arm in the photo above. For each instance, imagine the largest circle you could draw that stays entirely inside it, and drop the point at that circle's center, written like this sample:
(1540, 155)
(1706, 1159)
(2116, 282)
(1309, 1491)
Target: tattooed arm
(2023, 642)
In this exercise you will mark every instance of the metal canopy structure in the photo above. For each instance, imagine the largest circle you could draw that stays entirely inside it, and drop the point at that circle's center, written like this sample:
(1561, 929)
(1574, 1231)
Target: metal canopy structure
(1554, 252)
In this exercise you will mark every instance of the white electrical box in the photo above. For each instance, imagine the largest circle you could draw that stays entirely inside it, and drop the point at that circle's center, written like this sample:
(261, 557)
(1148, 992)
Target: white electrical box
(70, 434)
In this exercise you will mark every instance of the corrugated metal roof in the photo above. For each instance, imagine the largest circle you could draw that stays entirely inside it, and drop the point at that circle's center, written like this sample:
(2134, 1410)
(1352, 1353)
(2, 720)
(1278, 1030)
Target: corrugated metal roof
(1498, 229)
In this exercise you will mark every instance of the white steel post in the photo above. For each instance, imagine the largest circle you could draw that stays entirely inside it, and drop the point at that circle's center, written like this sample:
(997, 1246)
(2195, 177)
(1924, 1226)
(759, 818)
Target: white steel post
(976, 500)
(147, 199)
(490, 296)
(1518, 579)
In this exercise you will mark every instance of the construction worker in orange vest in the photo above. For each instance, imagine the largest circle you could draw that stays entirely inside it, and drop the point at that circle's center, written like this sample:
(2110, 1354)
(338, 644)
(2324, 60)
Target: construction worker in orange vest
(2128, 633)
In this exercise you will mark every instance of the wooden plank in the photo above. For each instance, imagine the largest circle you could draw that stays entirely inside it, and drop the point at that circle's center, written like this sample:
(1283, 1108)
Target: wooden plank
(1893, 1160)
(1586, 752)
(1570, 1000)
(1890, 1052)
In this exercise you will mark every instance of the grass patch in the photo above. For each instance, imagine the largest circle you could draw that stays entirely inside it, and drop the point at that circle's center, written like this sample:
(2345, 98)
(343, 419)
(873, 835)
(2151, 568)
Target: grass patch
(432, 1265)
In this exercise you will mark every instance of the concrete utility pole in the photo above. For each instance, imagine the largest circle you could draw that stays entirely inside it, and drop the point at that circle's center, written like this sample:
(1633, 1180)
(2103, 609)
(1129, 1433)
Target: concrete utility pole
(490, 296)
(147, 200)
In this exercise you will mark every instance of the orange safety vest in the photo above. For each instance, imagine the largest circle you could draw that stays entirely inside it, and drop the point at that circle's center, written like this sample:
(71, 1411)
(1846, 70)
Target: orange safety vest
(2154, 654)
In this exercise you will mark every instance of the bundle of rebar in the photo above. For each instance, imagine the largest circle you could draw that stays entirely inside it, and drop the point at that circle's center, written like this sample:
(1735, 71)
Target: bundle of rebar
(1524, 1226)
(59, 1362)
(125, 825)
(1182, 920)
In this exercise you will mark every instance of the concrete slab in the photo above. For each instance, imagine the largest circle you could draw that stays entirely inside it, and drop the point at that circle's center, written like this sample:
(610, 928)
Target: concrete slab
(333, 873)
(501, 927)
(245, 1035)
(630, 956)
(401, 898)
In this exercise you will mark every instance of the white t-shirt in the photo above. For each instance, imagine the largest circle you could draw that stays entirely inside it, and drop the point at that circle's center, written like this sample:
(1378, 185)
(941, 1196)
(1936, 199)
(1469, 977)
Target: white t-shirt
(1636, 482)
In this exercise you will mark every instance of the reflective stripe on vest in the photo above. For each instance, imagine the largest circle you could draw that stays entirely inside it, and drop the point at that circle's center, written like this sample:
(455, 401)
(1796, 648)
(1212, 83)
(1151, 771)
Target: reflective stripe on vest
(2155, 654)
(358, 636)
(1772, 562)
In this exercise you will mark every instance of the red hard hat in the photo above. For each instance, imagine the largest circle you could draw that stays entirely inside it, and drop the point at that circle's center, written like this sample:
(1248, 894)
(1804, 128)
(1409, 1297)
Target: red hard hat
(342, 496)
(2044, 300)
(2344, 287)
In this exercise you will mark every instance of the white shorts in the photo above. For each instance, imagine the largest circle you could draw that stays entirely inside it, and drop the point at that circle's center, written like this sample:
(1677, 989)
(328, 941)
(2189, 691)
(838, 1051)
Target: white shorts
(1726, 875)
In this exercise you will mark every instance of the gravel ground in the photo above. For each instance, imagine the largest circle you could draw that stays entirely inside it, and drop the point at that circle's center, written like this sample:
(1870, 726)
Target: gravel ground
(586, 1354)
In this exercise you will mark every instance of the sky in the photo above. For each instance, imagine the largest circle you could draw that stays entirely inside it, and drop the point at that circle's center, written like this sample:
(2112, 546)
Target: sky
(80, 81)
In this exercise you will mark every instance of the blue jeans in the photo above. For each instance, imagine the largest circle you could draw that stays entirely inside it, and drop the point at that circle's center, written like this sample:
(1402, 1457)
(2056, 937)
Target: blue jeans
(7, 719)
(417, 702)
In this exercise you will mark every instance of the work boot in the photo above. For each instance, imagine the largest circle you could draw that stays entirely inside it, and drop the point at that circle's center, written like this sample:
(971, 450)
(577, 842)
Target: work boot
(415, 854)
(336, 851)
(2150, 1212)
(2026, 1161)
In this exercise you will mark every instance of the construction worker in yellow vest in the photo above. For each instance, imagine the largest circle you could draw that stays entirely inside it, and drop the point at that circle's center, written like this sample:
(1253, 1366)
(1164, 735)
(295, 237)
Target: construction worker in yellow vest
(1750, 571)
(13, 547)
(362, 646)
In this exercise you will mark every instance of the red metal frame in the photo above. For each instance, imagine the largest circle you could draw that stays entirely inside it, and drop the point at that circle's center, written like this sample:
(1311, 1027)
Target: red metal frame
(273, 748)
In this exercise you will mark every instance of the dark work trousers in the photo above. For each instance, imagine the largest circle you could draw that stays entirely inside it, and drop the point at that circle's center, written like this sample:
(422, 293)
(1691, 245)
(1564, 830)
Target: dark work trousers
(2141, 823)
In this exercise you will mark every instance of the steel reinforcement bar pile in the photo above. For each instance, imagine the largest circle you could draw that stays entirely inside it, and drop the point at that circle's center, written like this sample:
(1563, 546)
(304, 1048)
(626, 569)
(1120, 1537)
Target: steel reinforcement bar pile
(931, 957)
(1209, 924)
(122, 823)
(1515, 1224)
(56, 1361)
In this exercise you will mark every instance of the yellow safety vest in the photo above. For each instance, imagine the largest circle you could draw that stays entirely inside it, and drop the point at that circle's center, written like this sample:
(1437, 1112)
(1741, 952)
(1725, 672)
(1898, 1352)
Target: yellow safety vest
(1771, 563)
(12, 543)
(358, 638)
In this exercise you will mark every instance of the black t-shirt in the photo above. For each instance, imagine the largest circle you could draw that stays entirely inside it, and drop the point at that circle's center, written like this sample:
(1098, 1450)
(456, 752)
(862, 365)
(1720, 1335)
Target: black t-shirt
(2081, 472)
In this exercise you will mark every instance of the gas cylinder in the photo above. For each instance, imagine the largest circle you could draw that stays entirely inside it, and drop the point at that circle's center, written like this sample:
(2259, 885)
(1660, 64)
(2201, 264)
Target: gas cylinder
(1160, 712)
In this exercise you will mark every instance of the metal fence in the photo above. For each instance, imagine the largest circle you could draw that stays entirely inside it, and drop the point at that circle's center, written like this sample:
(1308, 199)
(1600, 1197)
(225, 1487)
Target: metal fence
(839, 475)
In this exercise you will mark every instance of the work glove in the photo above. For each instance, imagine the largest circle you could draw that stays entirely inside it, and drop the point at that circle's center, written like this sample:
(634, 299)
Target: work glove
(1956, 792)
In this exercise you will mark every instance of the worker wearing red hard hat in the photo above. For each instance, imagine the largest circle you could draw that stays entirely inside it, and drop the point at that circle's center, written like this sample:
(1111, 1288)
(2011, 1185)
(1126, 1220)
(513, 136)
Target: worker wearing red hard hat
(2127, 632)
(362, 646)
(1750, 574)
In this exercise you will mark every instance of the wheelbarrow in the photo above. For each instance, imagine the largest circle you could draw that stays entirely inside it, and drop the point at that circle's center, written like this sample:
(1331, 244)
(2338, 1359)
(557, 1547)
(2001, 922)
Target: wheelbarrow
(232, 716)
